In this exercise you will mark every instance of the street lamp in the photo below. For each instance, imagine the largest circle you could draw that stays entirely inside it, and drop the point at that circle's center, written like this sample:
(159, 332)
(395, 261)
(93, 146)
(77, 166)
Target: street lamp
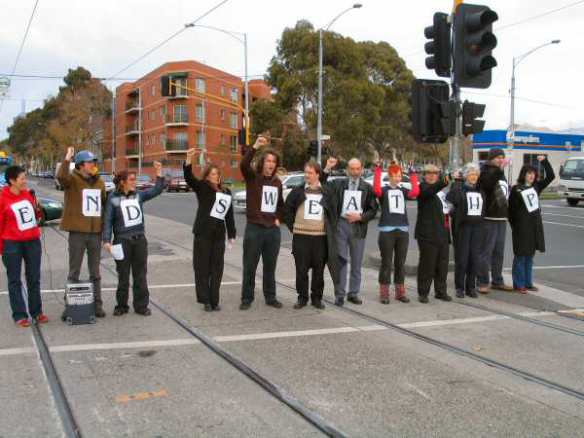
(242, 38)
(320, 74)
(511, 132)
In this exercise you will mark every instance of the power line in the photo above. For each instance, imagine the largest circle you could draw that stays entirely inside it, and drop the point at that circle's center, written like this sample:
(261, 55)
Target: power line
(534, 17)
(526, 99)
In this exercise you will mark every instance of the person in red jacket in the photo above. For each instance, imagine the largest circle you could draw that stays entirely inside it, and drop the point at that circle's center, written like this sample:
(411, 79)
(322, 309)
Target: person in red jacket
(20, 240)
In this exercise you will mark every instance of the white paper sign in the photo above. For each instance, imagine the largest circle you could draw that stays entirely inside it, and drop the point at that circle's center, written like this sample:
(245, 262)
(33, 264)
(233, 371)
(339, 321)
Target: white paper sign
(474, 203)
(91, 199)
(396, 201)
(131, 212)
(24, 213)
(269, 199)
(445, 207)
(505, 188)
(530, 199)
(313, 208)
(221, 206)
(118, 252)
(351, 202)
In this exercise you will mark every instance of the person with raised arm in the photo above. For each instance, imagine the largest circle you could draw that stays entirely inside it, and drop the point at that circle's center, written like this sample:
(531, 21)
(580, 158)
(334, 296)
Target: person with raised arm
(265, 212)
(526, 222)
(394, 236)
(85, 197)
(214, 219)
(124, 219)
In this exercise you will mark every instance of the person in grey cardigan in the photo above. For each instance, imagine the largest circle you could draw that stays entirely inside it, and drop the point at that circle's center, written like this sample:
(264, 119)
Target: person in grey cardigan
(124, 218)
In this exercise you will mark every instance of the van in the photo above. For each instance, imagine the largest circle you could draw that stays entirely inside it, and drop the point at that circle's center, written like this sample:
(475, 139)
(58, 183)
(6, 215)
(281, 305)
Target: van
(572, 180)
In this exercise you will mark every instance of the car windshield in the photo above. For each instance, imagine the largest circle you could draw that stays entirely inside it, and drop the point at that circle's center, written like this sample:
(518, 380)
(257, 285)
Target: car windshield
(574, 167)
(294, 181)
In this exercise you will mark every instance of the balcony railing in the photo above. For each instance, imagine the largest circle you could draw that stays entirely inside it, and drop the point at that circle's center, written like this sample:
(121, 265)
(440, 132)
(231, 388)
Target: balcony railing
(177, 119)
(132, 106)
(131, 151)
(176, 146)
(132, 129)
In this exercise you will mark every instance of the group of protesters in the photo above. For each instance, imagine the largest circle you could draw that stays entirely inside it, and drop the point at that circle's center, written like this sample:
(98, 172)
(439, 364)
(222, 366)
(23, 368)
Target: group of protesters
(328, 218)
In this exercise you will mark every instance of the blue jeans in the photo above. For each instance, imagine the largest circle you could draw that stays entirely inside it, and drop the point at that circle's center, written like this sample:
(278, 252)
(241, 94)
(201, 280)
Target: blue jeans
(522, 272)
(14, 253)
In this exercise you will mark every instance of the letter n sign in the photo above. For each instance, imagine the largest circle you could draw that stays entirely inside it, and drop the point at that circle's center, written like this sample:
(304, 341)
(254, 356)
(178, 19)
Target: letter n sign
(91, 199)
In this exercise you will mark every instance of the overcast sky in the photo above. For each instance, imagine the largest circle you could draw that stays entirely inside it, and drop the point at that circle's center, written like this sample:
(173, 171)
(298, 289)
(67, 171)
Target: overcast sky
(106, 35)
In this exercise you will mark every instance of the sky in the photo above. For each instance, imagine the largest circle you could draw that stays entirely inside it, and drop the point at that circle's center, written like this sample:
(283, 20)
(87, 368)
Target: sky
(105, 36)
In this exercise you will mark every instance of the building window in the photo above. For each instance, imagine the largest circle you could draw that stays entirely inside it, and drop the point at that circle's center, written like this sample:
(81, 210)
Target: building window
(234, 164)
(201, 139)
(233, 143)
(223, 114)
(153, 90)
(181, 139)
(222, 90)
(181, 86)
(180, 114)
(200, 110)
(233, 121)
(201, 86)
(234, 95)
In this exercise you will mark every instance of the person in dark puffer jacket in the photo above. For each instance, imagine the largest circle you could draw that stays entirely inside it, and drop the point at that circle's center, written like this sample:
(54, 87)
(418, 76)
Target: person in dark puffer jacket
(214, 218)
(20, 241)
(526, 222)
(394, 236)
(467, 230)
(124, 216)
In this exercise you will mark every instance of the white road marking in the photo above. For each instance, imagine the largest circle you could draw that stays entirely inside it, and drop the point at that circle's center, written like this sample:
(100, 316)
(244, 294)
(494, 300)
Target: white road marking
(543, 268)
(564, 215)
(264, 336)
(563, 225)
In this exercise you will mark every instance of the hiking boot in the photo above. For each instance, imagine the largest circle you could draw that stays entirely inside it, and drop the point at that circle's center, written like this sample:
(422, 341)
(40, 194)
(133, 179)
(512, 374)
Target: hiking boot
(400, 293)
(384, 293)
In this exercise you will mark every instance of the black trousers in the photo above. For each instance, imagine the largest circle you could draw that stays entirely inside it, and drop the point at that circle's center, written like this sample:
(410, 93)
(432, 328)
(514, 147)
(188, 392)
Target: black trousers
(136, 261)
(432, 267)
(393, 246)
(208, 262)
(310, 253)
(468, 246)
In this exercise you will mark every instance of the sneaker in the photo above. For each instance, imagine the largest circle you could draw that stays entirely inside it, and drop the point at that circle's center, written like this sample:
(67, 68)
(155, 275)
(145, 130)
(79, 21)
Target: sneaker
(339, 301)
(42, 319)
(502, 287)
(23, 323)
(144, 312)
(400, 293)
(472, 294)
(443, 297)
(423, 299)
(208, 308)
(532, 289)
(274, 303)
(354, 299)
(300, 304)
(459, 294)
(318, 304)
(244, 306)
(384, 293)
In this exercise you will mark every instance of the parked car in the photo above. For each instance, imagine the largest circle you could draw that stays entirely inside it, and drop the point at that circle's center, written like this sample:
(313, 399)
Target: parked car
(571, 185)
(177, 184)
(289, 181)
(51, 209)
(406, 184)
(144, 182)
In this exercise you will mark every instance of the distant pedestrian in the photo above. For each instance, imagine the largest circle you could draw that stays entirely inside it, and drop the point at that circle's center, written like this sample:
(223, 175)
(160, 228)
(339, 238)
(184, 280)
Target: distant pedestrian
(356, 206)
(496, 190)
(20, 242)
(394, 236)
(85, 197)
(311, 217)
(433, 235)
(467, 230)
(265, 212)
(526, 222)
(214, 218)
(124, 218)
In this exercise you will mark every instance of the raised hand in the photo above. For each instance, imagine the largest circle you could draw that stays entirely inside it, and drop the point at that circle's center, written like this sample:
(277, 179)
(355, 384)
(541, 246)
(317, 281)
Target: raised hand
(190, 154)
(331, 162)
(157, 167)
(70, 153)
(541, 158)
(260, 142)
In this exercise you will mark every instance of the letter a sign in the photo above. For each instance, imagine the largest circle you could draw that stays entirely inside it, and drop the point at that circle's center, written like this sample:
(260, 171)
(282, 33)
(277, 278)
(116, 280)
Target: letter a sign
(221, 206)
(131, 212)
(91, 199)
(351, 202)
(24, 213)
(530, 199)
(269, 199)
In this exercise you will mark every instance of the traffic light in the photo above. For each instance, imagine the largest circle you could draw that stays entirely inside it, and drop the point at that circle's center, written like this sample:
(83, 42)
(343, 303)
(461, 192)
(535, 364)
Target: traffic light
(474, 42)
(242, 137)
(471, 112)
(167, 89)
(313, 148)
(433, 115)
(439, 47)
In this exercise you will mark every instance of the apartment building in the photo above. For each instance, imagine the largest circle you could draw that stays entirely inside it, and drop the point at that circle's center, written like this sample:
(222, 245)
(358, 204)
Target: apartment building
(207, 113)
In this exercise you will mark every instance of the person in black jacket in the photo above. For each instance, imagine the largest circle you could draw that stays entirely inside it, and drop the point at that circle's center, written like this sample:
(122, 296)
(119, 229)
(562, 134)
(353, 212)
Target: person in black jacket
(526, 222)
(214, 216)
(433, 235)
(356, 206)
(467, 216)
(124, 216)
(496, 189)
(310, 215)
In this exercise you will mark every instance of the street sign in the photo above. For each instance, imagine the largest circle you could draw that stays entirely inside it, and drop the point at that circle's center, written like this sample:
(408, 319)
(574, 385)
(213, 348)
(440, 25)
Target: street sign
(4, 87)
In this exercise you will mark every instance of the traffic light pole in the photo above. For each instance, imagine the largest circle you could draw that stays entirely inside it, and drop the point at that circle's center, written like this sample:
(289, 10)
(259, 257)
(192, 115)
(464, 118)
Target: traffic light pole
(456, 141)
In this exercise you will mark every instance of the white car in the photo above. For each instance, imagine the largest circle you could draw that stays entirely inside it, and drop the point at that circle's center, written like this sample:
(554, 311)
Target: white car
(406, 184)
(289, 182)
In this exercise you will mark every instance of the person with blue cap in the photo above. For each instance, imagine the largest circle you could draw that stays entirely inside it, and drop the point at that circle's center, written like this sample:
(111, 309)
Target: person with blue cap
(85, 197)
